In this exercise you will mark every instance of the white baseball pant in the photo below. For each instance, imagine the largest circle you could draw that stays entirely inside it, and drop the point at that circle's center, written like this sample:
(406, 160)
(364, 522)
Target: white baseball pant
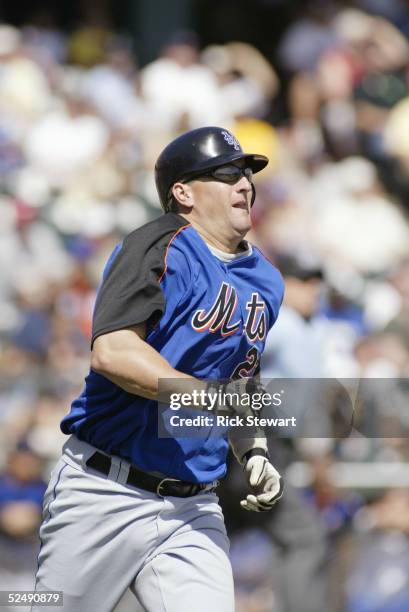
(100, 536)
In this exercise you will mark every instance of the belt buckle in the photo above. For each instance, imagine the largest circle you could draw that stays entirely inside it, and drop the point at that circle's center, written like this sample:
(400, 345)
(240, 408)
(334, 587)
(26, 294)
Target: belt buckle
(162, 482)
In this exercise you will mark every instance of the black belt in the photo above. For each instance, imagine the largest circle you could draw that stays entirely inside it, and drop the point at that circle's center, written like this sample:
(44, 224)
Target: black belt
(161, 486)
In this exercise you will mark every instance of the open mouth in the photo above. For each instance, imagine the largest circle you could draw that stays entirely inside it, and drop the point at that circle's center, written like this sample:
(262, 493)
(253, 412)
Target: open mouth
(242, 204)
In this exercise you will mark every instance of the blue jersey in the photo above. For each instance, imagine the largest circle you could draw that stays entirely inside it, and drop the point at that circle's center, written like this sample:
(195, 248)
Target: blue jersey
(207, 318)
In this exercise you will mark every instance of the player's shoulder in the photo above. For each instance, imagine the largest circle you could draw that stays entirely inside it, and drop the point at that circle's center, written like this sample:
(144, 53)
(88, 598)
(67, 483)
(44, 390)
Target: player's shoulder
(264, 262)
(161, 241)
(159, 232)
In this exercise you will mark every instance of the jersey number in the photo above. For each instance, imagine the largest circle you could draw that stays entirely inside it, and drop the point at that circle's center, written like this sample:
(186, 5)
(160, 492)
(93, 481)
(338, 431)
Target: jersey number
(249, 367)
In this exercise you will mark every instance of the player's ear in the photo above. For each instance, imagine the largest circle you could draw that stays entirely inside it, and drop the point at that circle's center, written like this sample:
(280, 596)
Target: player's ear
(183, 194)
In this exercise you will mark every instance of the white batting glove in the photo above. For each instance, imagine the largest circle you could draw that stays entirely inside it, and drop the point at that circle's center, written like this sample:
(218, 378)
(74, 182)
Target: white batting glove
(266, 482)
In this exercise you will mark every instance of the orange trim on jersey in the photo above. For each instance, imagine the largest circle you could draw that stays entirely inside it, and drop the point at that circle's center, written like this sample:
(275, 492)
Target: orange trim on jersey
(167, 249)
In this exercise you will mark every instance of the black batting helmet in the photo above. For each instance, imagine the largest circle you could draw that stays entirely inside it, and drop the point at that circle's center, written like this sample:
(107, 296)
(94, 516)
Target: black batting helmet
(195, 152)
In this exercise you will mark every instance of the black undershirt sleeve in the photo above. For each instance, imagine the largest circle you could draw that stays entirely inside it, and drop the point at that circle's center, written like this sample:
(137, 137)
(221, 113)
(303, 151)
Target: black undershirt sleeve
(130, 292)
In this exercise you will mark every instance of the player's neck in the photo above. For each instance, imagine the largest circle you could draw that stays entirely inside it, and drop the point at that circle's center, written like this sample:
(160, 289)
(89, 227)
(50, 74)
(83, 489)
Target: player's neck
(226, 244)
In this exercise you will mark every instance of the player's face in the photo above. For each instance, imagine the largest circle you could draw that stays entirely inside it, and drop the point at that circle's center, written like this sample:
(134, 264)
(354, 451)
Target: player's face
(224, 198)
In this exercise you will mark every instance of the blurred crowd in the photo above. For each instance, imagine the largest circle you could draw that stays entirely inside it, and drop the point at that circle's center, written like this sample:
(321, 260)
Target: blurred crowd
(81, 124)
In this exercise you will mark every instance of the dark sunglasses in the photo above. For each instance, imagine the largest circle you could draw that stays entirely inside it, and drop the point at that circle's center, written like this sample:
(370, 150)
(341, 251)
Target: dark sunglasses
(227, 174)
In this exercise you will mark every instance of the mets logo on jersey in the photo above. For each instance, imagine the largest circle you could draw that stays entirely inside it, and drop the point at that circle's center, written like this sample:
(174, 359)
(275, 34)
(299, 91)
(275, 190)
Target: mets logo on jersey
(221, 315)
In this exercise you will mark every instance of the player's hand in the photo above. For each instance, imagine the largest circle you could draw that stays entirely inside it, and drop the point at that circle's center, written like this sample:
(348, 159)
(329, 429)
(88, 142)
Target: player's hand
(266, 483)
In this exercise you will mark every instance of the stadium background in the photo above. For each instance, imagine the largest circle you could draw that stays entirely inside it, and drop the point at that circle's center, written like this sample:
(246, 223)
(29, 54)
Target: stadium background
(89, 93)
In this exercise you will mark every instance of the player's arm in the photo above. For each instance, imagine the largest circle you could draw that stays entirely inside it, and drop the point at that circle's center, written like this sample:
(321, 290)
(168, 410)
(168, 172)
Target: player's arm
(252, 453)
(130, 300)
(244, 448)
(127, 360)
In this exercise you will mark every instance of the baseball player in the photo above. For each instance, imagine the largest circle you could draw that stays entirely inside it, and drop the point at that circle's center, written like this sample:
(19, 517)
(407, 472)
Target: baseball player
(183, 298)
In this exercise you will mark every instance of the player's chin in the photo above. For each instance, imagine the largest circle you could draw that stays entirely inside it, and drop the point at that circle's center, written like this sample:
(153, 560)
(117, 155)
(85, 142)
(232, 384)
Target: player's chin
(241, 219)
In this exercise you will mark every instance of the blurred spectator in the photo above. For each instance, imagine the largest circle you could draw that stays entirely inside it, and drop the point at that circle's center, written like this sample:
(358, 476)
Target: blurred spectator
(308, 37)
(111, 86)
(21, 493)
(87, 44)
(43, 38)
(44, 436)
(378, 575)
(23, 85)
(73, 124)
(336, 508)
(192, 95)
(360, 226)
(21, 496)
(253, 560)
(246, 80)
(295, 346)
